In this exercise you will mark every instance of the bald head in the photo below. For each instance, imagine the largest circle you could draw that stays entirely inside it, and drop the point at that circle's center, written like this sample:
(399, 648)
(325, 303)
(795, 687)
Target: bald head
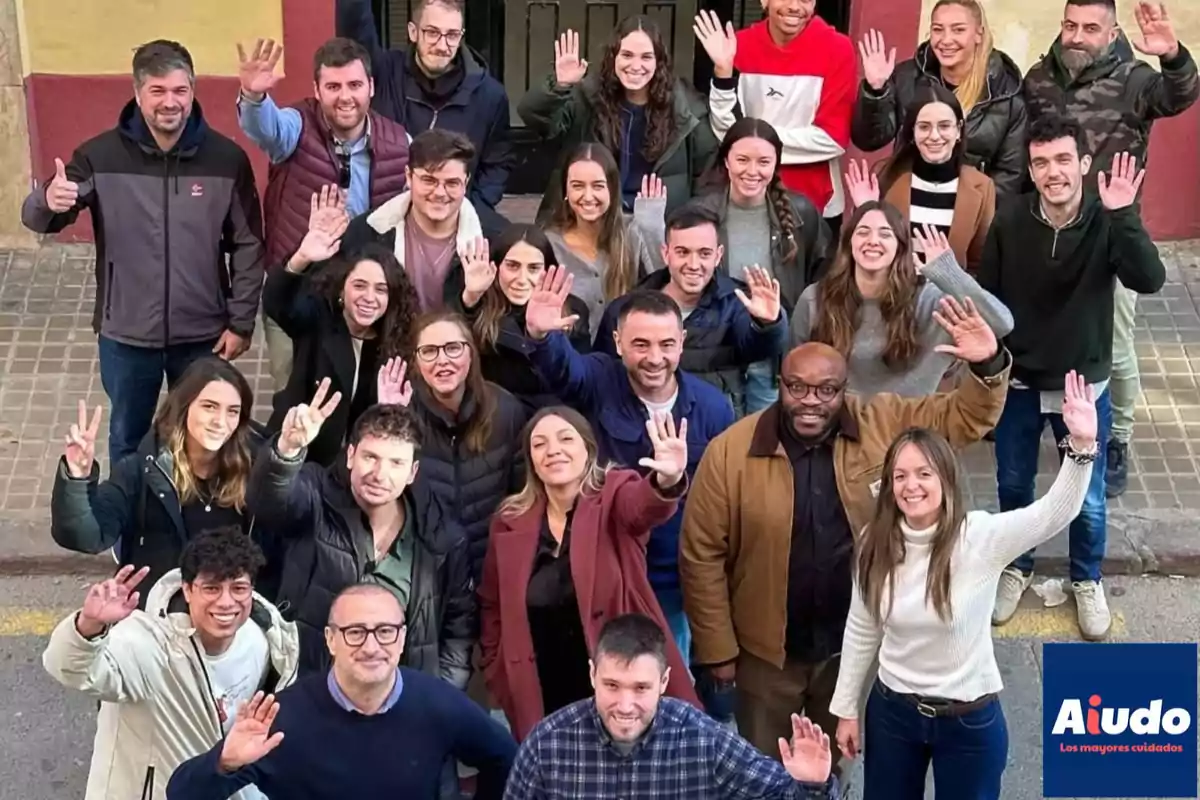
(812, 381)
(816, 355)
(365, 595)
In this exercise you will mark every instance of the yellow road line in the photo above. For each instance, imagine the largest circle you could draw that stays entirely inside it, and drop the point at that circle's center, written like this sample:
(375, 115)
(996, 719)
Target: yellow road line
(30, 621)
(1059, 622)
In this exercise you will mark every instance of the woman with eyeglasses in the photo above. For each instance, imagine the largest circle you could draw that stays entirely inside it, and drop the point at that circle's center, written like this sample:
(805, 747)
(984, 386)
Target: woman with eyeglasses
(877, 305)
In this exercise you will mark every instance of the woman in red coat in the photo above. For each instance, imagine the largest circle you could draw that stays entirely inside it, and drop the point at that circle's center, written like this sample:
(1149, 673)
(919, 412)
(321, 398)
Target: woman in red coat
(567, 554)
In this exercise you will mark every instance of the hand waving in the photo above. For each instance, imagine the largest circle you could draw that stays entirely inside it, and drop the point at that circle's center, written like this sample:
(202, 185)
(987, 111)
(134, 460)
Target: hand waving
(720, 43)
(1079, 412)
(391, 387)
(250, 738)
(478, 270)
(862, 184)
(1120, 188)
(327, 221)
(670, 449)
(257, 71)
(544, 311)
(303, 423)
(763, 302)
(111, 601)
(928, 244)
(81, 443)
(569, 68)
(1158, 34)
(807, 757)
(652, 188)
(974, 340)
(61, 193)
(878, 62)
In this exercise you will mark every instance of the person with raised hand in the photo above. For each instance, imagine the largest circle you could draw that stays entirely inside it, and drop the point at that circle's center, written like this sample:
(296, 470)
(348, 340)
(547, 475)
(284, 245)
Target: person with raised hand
(171, 682)
(1052, 259)
(959, 58)
(926, 572)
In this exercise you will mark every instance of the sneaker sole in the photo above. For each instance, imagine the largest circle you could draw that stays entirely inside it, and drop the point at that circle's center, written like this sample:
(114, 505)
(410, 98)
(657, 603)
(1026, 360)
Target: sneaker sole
(1099, 638)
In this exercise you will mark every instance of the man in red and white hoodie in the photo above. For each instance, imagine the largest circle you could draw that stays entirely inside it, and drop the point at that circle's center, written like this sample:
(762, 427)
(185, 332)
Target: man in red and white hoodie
(795, 71)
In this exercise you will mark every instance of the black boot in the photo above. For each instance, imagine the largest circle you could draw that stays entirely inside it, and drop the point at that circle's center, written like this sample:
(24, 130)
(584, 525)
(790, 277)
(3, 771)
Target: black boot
(1116, 468)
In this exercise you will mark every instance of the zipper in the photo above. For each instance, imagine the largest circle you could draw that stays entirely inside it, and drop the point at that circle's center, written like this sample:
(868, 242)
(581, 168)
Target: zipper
(166, 250)
(433, 120)
(457, 481)
(148, 784)
(163, 472)
(108, 290)
(208, 683)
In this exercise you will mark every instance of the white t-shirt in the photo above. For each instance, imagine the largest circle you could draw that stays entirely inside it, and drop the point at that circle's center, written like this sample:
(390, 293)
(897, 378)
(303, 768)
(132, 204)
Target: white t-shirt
(239, 672)
(660, 408)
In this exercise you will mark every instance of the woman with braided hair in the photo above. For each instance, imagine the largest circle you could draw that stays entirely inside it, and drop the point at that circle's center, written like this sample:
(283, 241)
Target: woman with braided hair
(763, 224)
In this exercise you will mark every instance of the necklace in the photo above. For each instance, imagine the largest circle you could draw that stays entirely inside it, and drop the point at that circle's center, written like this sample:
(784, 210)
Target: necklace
(417, 235)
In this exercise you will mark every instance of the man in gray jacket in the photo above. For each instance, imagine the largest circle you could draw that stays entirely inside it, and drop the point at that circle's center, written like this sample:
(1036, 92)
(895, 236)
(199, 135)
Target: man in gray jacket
(178, 232)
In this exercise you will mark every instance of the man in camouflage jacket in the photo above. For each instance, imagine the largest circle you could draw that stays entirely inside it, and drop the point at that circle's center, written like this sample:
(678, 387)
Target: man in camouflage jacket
(1091, 75)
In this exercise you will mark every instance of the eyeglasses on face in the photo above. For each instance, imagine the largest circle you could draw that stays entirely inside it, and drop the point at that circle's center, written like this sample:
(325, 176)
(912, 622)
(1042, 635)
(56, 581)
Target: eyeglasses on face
(824, 391)
(453, 186)
(429, 352)
(433, 36)
(356, 635)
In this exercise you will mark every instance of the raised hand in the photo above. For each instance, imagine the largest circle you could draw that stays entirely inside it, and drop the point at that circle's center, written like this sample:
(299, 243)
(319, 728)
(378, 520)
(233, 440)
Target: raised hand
(878, 62)
(928, 244)
(569, 68)
(670, 449)
(652, 188)
(1079, 412)
(806, 757)
(1120, 188)
(478, 270)
(80, 451)
(1158, 34)
(849, 739)
(391, 386)
(327, 211)
(250, 738)
(110, 601)
(544, 311)
(719, 42)
(974, 340)
(257, 71)
(61, 193)
(763, 302)
(861, 183)
(303, 423)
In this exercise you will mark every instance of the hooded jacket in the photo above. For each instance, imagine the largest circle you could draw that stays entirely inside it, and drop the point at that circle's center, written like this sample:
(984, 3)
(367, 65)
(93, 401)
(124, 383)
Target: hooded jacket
(995, 125)
(157, 709)
(179, 254)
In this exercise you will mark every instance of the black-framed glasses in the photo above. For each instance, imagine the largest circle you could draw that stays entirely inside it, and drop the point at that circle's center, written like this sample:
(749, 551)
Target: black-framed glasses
(356, 635)
(429, 352)
(433, 36)
(824, 391)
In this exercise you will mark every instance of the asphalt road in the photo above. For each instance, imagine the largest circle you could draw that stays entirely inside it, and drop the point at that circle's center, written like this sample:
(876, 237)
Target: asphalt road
(47, 741)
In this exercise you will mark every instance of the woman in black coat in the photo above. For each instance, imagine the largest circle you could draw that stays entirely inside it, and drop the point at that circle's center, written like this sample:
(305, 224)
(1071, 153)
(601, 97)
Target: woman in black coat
(493, 300)
(959, 55)
(345, 322)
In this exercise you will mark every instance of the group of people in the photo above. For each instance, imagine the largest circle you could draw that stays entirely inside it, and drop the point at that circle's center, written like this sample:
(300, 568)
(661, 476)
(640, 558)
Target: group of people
(660, 480)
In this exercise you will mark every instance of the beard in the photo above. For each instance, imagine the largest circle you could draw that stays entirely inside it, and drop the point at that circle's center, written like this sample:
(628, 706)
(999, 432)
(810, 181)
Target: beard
(1076, 61)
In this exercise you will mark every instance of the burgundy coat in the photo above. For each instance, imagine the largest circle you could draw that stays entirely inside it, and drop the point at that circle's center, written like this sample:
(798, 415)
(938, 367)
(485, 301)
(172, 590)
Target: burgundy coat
(609, 532)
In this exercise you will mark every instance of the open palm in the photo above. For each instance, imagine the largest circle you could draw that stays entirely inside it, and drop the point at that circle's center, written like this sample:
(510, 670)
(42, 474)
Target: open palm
(256, 71)
(1119, 189)
(670, 449)
(544, 311)
(1158, 34)
(974, 340)
(111, 601)
(763, 302)
(1079, 410)
(807, 757)
(250, 738)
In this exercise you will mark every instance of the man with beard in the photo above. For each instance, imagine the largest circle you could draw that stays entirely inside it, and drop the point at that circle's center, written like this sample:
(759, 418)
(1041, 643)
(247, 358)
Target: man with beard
(1091, 76)
(179, 268)
(768, 534)
(330, 139)
(439, 82)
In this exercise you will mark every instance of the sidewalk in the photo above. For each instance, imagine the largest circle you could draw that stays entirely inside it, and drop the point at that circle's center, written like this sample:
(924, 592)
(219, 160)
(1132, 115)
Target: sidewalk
(48, 363)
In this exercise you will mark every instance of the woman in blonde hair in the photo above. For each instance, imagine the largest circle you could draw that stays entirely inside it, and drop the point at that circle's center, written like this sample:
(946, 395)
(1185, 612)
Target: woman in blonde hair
(189, 475)
(568, 553)
(959, 55)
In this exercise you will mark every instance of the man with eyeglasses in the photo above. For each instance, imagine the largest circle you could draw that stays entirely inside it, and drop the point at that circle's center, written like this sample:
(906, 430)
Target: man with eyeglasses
(768, 534)
(438, 82)
(330, 139)
(367, 728)
(171, 679)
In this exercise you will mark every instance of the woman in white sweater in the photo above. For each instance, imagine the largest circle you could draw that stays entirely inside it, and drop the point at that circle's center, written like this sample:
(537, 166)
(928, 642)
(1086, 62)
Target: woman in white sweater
(925, 580)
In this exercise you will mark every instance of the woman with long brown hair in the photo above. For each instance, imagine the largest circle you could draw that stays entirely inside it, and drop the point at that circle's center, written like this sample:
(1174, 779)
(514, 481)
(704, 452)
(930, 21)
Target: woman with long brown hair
(189, 475)
(568, 552)
(925, 582)
(651, 121)
(877, 304)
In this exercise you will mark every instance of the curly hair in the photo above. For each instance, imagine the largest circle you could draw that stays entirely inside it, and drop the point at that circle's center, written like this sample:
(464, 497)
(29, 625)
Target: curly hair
(221, 554)
(394, 327)
(839, 302)
(660, 109)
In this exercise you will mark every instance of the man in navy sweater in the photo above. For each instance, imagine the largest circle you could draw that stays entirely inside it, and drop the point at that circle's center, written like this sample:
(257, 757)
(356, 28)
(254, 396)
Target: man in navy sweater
(368, 728)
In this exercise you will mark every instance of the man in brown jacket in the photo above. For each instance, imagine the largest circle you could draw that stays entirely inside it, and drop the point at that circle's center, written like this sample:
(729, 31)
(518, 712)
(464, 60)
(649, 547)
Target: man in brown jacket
(768, 534)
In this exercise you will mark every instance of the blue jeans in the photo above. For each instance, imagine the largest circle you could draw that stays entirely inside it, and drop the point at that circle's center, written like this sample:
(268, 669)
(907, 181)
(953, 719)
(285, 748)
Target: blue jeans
(761, 388)
(968, 752)
(132, 377)
(671, 603)
(1018, 437)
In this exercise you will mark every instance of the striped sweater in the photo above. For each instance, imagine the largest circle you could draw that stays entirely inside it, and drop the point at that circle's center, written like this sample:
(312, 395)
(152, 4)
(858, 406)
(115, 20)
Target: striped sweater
(933, 193)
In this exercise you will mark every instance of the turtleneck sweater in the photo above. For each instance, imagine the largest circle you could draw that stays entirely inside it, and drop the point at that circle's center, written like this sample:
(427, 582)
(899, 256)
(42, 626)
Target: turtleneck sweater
(922, 654)
(933, 194)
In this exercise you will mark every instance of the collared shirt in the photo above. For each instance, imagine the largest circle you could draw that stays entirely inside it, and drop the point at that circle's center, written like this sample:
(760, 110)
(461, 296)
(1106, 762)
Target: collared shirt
(342, 700)
(684, 754)
(394, 571)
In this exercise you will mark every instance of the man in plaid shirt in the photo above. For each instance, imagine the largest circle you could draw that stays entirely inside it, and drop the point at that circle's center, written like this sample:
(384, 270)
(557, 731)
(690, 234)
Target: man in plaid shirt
(631, 742)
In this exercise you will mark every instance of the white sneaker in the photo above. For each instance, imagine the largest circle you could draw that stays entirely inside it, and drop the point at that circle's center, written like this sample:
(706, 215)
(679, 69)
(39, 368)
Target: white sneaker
(1092, 608)
(1013, 584)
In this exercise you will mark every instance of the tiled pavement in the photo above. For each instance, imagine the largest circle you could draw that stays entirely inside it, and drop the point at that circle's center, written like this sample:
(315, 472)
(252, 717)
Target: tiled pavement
(48, 363)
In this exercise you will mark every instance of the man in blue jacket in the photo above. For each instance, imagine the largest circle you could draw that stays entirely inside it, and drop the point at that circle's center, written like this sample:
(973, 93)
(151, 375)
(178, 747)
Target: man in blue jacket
(437, 82)
(619, 396)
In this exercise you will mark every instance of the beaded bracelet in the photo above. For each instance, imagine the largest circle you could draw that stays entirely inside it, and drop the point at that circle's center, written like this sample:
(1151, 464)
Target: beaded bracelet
(1078, 456)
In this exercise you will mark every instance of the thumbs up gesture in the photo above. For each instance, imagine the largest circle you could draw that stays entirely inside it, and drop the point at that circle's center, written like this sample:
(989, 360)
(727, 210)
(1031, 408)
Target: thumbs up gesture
(61, 193)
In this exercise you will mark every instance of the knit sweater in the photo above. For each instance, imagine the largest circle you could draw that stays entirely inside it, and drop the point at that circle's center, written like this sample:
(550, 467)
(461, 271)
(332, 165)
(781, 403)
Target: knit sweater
(933, 191)
(919, 653)
(868, 374)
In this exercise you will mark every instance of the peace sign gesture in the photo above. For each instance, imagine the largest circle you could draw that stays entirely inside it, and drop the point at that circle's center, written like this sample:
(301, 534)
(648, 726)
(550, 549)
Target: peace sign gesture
(544, 311)
(1079, 412)
(303, 423)
(763, 302)
(257, 71)
(250, 738)
(670, 449)
(930, 243)
(1120, 188)
(81, 443)
(391, 387)
(569, 68)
